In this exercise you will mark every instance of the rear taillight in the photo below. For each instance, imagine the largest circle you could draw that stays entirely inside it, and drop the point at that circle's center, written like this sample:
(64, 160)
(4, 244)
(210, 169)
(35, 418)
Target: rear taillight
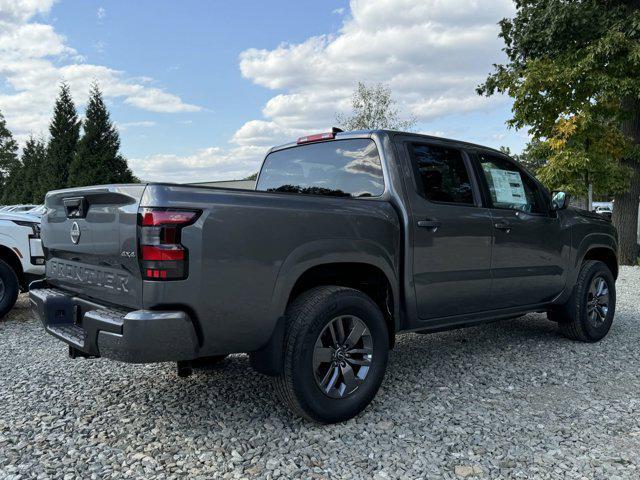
(162, 256)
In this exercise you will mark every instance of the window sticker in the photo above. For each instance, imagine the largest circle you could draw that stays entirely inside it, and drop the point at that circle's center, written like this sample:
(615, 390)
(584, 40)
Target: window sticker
(508, 187)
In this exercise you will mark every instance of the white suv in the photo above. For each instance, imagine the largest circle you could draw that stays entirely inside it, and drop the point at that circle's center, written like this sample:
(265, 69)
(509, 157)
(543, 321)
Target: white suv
(21, 257)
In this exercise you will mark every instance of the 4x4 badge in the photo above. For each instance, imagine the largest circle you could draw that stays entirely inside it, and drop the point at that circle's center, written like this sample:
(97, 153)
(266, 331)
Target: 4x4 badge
(75, 233)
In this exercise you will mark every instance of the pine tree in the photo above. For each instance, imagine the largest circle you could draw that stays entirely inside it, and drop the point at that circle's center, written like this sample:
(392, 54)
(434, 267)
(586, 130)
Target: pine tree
(97, 160)
(34, 155)
(8, 160)
(65, 133)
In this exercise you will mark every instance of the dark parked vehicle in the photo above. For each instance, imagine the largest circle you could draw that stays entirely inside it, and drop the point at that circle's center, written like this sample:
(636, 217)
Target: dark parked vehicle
(349, 239)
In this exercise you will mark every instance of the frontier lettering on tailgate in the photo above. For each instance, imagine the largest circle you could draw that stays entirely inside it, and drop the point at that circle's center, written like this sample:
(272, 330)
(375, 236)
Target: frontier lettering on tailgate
(88, 275)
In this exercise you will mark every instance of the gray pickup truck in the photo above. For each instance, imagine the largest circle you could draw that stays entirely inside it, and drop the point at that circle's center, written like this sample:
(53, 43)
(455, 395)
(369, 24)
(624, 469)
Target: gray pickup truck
(349, 239)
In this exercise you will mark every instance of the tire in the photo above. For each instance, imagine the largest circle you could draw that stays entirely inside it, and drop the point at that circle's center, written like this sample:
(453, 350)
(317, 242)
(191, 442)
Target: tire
(312, 320)
(9, 288)
(585, 317)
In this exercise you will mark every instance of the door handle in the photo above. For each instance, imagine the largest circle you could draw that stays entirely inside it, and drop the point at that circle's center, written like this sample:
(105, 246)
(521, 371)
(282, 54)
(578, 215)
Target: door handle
(432, 224)
(505, 226)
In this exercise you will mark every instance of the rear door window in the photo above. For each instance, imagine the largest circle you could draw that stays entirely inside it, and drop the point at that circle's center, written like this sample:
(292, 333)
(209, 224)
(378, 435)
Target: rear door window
(441, 174)
(342, 168)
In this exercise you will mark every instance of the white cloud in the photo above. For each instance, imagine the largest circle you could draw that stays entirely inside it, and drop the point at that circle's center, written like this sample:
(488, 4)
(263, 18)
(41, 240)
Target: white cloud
(338, 11)
(213, 163)
(101, 13)
(259, 132)
(23, 10)
(35, 59)
(432, 53)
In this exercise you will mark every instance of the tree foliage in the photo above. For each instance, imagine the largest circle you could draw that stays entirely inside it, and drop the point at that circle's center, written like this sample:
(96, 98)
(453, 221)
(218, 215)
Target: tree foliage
(8, 156)
(97, 159)
(533, 157)
(34, 156)
(64, 133)
(67, 159)
(573, 73)
(584, 151)
(23, 181)
(374, 108)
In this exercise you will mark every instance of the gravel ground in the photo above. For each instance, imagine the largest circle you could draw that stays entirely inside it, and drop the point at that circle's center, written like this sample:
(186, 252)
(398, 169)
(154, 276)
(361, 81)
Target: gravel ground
(506, 400)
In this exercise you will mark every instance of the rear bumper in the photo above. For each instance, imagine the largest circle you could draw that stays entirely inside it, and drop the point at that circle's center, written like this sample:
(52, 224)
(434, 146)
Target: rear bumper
(139, 336)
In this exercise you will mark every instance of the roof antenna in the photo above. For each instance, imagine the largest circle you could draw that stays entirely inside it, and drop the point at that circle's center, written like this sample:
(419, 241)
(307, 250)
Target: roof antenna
(336, 130)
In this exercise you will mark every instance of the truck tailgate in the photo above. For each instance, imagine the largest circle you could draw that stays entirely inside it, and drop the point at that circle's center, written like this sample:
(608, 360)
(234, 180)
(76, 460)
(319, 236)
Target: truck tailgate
(90, 243)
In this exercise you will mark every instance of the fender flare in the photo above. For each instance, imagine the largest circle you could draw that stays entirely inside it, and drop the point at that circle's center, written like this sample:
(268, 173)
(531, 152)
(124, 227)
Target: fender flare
(328, 251)
(591, 241)
(588, 243)
(268, 360)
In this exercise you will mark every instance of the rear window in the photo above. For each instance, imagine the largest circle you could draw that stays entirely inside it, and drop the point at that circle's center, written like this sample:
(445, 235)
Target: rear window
(342, 168)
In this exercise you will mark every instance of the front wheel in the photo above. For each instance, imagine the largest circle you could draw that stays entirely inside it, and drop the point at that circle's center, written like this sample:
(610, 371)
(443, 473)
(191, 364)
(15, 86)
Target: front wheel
(588, 314)
(336, 349)
(9, 288)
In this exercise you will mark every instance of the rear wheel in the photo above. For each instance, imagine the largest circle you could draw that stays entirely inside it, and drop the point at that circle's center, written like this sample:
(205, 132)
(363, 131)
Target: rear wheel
(336, 350)
(588, 314)
(9, 288)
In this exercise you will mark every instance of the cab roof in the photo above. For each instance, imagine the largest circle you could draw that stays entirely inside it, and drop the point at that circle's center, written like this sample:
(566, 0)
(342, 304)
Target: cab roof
(392, 133)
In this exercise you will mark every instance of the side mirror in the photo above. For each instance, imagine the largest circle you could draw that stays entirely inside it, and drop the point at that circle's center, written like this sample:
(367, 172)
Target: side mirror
(559, 201)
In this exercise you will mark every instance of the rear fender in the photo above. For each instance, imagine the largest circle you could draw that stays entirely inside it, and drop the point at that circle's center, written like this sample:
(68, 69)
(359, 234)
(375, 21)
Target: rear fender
(329, 251)
(268, 360)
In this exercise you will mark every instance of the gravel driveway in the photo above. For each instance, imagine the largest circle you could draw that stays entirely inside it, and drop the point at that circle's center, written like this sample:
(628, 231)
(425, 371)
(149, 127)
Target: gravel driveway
(510, 399)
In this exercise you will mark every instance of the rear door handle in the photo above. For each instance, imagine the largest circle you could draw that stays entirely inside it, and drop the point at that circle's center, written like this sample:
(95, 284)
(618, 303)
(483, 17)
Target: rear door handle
(432, 224)
(506, 226)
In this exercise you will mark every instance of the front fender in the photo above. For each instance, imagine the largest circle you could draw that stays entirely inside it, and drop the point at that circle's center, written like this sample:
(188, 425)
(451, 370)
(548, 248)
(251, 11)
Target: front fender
(591, 241)
(580, 249)
(11, 243)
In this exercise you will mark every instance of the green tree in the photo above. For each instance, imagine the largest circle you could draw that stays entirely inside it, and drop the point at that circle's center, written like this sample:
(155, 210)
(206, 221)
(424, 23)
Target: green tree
(9, 161)
(583, 151)
(34, 156)
(97, 159)
(373, 108)
(65, 133)
(573, 74)
(534, 156)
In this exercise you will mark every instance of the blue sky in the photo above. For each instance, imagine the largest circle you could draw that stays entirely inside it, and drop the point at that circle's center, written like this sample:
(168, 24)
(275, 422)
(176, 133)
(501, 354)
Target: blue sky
(199, 89)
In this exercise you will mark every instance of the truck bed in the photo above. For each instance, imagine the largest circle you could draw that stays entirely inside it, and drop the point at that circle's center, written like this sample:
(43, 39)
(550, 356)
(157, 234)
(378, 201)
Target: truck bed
(246, 250)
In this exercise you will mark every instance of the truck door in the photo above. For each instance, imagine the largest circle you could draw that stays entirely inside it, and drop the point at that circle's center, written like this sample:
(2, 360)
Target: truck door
(530, 244)
(451, 232)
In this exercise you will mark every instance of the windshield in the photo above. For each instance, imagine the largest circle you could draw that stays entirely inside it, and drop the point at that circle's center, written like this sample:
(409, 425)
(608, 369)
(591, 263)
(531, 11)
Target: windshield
(343, 168)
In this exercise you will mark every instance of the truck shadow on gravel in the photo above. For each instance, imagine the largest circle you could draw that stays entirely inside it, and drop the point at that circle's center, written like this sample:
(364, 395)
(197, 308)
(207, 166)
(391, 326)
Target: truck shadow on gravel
(479, 360)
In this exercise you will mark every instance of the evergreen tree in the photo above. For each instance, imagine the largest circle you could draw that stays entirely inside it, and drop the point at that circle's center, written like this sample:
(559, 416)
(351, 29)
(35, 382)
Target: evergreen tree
(34, 155)
(65, 133)
(12, 192)
(8, 159)
(97, 160)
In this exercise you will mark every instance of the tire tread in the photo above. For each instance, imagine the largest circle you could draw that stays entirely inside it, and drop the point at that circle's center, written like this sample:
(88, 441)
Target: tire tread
(570, 316)
(9, 272)
(299, 316)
